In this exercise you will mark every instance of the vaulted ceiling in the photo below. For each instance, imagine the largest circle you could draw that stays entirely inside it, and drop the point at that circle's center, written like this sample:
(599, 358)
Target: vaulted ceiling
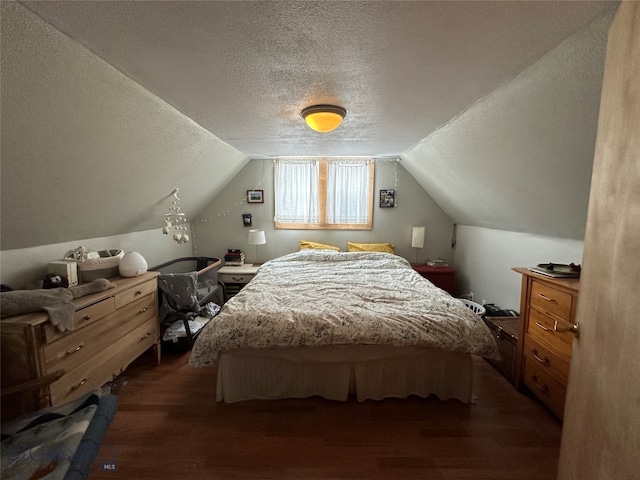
(245, 69)
(491, 106)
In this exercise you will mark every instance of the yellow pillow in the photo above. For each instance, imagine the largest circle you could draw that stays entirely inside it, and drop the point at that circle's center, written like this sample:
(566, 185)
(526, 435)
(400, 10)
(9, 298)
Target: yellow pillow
(371, 247)
(304, 245)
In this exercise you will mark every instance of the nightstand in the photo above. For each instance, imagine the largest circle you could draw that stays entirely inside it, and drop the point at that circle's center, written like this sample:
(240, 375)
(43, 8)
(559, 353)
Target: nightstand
(441, 277)
(236, 277)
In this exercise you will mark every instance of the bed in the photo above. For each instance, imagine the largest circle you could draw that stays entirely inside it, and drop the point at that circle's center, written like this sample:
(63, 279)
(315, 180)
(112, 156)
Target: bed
(327, 323)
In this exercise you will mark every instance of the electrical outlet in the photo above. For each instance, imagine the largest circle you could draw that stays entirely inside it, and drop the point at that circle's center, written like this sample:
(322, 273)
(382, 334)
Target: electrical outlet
(484, 302)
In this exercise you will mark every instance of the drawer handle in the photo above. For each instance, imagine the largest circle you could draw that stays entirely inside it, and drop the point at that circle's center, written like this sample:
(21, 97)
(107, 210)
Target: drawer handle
(138, 292)
(86, 317)
(142, 310)
(237, 279)
(75, 387)
(542, 360)
(146, 336)
(543, 388)
(546, 329)
(77, 349)
(544, 297)
(571, 327)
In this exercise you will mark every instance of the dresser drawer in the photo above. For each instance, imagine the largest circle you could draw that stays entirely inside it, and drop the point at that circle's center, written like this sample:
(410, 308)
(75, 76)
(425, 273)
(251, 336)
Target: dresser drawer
(106, 365)
(82, 318)
(547, 359)
(235, 278)
(551, 300)
(545, 387)
(541, 326)
(78, 346)
(136, 292)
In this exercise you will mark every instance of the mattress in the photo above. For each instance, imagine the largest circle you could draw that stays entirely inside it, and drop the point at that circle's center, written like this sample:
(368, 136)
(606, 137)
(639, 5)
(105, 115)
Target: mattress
(316, 298)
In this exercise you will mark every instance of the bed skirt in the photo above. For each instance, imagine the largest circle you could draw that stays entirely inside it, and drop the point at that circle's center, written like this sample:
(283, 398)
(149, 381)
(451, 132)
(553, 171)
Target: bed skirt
(367, 371)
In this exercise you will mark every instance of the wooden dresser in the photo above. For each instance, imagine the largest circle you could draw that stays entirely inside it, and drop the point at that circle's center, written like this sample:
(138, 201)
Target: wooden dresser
(548, 311)
(112, 328)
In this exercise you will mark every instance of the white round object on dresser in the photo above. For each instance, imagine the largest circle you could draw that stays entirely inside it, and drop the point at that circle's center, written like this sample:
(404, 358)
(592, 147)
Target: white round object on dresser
(132, 264)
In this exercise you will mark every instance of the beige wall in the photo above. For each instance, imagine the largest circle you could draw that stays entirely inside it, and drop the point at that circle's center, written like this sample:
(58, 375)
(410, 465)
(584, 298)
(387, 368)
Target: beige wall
(24, 266)
(220, 227)
(485, 257)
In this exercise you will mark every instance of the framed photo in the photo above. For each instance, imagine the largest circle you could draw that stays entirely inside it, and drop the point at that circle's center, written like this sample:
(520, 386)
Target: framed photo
(255, 196)
(387, 198)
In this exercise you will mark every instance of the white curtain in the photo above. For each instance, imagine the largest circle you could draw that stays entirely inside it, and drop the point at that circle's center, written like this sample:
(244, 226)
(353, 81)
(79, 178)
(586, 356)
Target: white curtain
(296, 191)
(348, 191)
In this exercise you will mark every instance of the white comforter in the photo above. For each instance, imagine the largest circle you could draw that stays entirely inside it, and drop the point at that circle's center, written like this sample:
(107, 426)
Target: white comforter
(321, 297)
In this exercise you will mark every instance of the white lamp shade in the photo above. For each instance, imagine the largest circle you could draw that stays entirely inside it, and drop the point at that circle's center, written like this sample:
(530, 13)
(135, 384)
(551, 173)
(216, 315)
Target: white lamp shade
(257, 237)
(417, 237)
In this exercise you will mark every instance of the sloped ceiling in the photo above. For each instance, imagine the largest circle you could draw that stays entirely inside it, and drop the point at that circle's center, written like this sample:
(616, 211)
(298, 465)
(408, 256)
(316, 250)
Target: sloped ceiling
(240, 72)
(521, 158)
(244, 70)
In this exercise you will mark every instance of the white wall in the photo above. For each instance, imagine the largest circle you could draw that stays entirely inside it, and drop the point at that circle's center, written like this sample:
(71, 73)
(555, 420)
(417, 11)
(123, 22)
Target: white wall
(220, 227)
(484, 259)
(86, 151)
(23, 267)
(520, 159)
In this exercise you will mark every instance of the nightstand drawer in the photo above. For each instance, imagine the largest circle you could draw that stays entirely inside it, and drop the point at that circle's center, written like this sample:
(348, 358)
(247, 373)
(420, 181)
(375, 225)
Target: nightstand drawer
(235, 277)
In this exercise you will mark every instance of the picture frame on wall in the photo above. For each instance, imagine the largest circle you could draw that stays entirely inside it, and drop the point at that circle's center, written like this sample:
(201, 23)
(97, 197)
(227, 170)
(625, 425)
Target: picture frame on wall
(387, 198)
(255, 196)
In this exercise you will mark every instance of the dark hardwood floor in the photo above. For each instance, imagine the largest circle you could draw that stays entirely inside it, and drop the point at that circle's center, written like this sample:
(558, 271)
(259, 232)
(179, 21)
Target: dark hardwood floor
(168, 426)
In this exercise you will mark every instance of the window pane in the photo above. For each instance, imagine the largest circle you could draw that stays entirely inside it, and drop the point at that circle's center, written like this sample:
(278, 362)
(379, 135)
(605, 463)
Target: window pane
(348, 192)
(296, 191)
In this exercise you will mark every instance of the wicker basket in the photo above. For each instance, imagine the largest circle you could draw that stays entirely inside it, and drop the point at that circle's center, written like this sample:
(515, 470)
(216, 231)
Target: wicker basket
(91, 267)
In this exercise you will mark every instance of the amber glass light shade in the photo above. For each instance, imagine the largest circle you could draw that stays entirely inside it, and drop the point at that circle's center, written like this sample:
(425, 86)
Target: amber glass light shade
(323, 118)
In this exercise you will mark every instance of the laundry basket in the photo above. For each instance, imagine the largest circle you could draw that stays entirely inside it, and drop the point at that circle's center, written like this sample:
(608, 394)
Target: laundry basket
(475, 307)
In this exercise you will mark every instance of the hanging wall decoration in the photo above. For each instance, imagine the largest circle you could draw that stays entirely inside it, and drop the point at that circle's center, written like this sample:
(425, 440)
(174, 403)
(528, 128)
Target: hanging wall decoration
(255, 196)
(247, 219)
(176, 219)
(387, 198)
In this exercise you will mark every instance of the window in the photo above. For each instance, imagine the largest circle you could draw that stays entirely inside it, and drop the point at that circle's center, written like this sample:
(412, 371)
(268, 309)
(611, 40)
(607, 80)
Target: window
(324, 194)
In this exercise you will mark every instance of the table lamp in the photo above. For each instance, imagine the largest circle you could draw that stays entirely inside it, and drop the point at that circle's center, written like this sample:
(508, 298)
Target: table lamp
(417, 239)
(257, 237)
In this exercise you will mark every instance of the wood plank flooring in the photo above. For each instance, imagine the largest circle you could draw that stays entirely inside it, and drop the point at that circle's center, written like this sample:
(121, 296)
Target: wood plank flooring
(168, 426)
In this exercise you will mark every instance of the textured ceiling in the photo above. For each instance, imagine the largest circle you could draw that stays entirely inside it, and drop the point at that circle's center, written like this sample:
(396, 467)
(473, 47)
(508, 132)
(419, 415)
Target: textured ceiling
(243, 70)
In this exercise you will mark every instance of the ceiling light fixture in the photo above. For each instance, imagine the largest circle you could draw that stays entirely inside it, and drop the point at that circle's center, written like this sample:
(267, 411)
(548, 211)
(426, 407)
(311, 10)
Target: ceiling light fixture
(323, 118)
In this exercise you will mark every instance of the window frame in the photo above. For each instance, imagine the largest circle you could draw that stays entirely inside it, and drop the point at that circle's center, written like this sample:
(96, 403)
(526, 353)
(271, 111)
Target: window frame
(323, 166)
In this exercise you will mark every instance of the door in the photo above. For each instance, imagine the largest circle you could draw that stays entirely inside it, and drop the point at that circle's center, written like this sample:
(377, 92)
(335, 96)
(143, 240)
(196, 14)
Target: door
(601, 435)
